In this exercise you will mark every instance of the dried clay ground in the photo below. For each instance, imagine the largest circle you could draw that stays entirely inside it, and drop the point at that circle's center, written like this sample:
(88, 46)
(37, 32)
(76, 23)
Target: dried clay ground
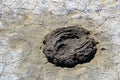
(22, 50)
(22, 32)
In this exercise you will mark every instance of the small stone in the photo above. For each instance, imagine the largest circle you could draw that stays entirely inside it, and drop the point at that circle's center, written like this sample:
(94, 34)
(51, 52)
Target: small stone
(103, 49)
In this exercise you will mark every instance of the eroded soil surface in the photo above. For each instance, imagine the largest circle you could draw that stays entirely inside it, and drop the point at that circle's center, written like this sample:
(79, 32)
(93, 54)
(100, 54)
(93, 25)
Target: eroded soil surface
(21, 48)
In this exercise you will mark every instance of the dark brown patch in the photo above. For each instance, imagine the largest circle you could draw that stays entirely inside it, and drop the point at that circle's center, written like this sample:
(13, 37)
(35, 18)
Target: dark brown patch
(69, 46)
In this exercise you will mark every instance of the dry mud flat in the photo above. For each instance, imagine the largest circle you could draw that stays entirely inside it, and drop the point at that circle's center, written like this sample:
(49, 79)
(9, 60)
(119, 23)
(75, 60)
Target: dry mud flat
(21, 48)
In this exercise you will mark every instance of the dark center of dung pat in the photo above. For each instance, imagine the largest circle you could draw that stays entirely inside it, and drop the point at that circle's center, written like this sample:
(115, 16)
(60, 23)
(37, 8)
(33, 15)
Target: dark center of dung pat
(69, 46)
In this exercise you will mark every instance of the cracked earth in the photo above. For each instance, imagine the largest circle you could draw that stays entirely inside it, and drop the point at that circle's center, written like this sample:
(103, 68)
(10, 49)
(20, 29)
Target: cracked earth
(24, 24)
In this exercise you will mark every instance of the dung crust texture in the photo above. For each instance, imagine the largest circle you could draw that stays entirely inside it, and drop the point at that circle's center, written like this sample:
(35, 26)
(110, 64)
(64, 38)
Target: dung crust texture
(69, 46)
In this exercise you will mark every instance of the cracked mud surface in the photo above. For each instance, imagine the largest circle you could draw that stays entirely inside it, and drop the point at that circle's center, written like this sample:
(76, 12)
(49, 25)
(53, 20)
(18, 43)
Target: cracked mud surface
(69, 46)
(22, 56)
(25, 23)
